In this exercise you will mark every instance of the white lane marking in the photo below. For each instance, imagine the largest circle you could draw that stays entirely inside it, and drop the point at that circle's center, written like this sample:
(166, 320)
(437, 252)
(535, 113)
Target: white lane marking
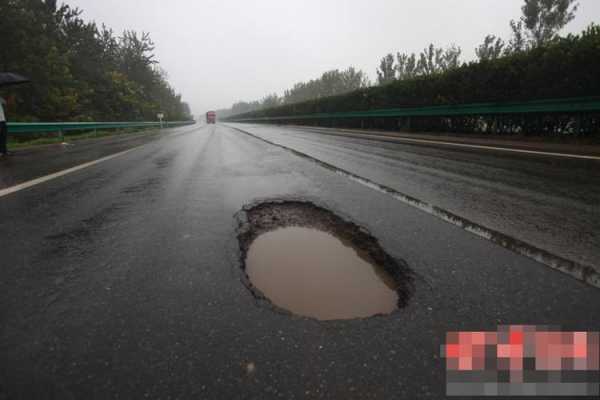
(585, 273)
(473, 146)
(37, 181)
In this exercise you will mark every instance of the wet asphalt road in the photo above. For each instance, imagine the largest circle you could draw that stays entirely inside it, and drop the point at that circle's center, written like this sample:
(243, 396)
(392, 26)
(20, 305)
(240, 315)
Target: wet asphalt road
(122, 281)
(549, 202)
(30, 163)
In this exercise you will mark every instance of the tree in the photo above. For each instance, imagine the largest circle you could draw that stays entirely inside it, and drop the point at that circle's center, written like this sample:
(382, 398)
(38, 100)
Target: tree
(352, 79)
(270, 101)
(542, 20)
(136, 57)
(491, 49)
(450, 58)
(330, 83)
(386, 71)
(565, 68)
(433, 60)
(406, 66)
(80, 72)
(427, 60)
(518, 41)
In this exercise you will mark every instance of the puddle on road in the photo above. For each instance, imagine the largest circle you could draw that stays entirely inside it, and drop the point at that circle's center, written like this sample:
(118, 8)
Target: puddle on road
(310, 262)
(314, 274)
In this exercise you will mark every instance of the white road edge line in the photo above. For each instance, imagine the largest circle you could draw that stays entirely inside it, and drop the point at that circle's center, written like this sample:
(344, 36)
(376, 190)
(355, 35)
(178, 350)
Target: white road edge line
(584, 273)
(473, 146)
(37, 181)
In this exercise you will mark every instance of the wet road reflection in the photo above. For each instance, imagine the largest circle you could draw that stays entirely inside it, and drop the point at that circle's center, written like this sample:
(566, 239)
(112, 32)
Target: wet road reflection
(519, 196)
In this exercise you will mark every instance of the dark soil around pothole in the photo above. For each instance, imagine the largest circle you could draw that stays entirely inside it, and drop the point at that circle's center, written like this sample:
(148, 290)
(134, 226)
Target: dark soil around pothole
(260, 218)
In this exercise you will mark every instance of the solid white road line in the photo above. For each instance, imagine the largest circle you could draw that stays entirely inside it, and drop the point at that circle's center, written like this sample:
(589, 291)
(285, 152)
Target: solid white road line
(588, 274)
(37, 181)
(390, 138)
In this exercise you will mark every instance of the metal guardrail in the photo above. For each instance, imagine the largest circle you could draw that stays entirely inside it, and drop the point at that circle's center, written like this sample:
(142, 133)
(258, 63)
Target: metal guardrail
(567, 105)
(18, 128)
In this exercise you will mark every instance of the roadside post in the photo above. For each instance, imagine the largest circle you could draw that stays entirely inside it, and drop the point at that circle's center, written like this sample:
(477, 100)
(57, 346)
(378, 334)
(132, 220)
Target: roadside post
(160, 117)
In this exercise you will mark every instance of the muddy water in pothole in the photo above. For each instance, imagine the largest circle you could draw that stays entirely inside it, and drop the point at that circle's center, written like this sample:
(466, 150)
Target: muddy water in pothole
(313, 273)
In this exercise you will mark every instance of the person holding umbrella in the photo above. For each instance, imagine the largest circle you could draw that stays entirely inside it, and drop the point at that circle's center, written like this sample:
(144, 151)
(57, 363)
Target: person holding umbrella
(7, 79)
(3, 129)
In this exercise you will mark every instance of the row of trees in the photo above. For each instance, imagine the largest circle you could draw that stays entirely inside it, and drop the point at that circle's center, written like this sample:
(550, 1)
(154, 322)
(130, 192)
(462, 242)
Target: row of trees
(331, 83)
(539, 26)
(564, 67)
(540, 23)
(80, 71)
(431, 60)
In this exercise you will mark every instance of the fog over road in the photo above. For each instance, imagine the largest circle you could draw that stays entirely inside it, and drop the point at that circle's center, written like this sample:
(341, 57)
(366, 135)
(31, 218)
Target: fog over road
(123, 280)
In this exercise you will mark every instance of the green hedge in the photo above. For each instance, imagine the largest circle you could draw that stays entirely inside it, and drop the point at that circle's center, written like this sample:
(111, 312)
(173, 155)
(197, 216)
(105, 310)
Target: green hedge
(568, 67)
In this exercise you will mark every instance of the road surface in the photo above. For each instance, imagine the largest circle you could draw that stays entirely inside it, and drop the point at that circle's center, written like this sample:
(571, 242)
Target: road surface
(122, 279)
(547, 201)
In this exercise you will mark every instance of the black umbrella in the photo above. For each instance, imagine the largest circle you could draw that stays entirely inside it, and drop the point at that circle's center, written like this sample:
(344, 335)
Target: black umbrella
(9, 79)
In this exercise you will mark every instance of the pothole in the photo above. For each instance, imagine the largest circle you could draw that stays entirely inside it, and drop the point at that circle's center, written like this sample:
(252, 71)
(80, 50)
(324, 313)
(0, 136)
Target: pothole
(310, 262)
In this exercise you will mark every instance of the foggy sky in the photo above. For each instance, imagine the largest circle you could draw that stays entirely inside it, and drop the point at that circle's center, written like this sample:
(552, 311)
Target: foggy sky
(217, 52)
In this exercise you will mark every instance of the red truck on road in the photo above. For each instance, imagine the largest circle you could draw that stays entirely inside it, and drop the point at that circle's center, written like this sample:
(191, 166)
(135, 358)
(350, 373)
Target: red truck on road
(211, 117)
